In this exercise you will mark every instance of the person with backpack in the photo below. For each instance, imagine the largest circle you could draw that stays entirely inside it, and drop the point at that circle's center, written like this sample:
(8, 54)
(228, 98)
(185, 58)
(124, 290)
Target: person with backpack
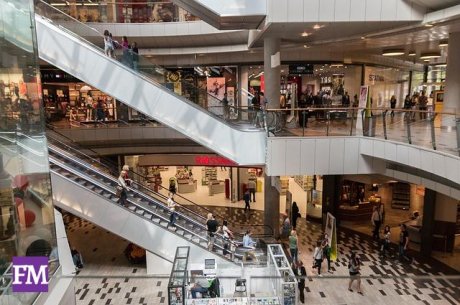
(318, 257)
(353, 268)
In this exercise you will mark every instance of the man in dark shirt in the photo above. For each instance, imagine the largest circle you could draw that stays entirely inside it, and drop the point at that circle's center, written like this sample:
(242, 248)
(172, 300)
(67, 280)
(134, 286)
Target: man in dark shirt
(403, 243)
(213, 229)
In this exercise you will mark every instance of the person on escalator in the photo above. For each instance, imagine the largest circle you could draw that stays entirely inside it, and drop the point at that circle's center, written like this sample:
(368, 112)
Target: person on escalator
(122, 188)
(172, 210)
(126, 59)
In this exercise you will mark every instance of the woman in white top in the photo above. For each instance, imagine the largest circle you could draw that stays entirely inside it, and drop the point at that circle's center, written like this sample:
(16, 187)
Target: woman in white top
(172, 210)
(124, 187)
(228, 236)
(108, 44)
(318, 257)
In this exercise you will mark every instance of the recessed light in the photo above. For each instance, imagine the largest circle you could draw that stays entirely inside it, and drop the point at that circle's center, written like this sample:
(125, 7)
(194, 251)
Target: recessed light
(306, 47)
(412, 53)
(428, 25)
(363, 37)
(393, 52)
(430, 55)
(317, 26)
(304, 34)
(443, 43)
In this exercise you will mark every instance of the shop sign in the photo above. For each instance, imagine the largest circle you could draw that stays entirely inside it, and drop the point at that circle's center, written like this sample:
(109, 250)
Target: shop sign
(213, 160)
(301, 69)
(376, 78)
(326, 79)
(57, 76)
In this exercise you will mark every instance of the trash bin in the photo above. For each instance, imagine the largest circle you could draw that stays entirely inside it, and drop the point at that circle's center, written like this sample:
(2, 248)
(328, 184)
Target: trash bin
(369, 125)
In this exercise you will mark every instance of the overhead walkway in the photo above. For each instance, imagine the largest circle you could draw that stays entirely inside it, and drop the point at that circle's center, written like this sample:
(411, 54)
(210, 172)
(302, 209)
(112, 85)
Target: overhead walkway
(87, 191)
(59, 44)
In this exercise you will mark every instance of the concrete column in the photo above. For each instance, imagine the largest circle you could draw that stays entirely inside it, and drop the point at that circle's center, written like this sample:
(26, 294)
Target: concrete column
(272, 74)
(331, 193)
(243, 85)
(272, 206)
(452, 92)
(426, 233)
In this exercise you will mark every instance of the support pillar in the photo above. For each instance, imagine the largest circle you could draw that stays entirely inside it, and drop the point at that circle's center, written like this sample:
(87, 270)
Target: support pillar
(271, 206)
(452, 92)
(272, 73)
(409, 89)
(331, 193)
(363, 74)
(426, 233)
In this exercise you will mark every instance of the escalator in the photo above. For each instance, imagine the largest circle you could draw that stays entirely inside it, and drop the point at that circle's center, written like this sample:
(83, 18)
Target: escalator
(88, 191)
(60, 43)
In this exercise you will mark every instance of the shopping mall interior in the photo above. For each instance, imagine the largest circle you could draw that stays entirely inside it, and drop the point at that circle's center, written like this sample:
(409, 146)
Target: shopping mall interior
(230, 152)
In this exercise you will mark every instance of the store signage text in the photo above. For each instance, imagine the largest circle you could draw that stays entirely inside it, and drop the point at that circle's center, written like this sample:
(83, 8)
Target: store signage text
(213, 160)
(30, 274)
(376, 78)
(300, 69)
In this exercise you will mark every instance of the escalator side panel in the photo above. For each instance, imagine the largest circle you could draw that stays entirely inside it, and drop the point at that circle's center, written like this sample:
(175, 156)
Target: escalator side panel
(85, 204)
(73, 56)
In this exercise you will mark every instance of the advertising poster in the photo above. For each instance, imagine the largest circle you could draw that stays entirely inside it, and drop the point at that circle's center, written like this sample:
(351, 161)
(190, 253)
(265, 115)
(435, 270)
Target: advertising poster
(363, 100)
(216, 90)
(331, 231)
(231, 101)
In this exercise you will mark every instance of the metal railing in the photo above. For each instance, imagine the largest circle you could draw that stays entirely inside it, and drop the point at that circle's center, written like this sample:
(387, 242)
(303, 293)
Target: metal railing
(430, 129)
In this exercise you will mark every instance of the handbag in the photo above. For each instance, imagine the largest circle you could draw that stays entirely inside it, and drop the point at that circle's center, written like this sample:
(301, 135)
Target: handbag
(119, 190)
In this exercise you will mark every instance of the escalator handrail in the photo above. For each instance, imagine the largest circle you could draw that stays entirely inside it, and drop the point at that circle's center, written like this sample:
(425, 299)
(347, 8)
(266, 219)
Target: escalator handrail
(113, 170)
(114, 180)
(92, 47)
(96, 183)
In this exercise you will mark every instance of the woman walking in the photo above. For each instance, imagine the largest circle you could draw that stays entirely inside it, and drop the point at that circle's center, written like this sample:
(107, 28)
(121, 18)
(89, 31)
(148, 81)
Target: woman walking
(353, 268)
(293, 247)
(318, 257)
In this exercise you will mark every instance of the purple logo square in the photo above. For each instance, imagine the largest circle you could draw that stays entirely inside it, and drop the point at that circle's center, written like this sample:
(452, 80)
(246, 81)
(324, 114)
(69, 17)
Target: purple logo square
(30, 274)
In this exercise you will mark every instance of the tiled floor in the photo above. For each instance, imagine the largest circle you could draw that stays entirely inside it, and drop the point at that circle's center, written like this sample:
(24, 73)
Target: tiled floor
(385, 281)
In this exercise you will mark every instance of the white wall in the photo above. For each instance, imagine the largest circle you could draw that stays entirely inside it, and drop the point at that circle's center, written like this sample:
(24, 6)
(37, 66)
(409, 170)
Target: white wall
(342, 10)
(235, 7)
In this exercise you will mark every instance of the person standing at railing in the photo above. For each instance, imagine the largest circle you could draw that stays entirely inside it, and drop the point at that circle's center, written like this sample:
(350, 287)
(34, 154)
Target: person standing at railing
(392, 105)
(422, 105)
(135, 54)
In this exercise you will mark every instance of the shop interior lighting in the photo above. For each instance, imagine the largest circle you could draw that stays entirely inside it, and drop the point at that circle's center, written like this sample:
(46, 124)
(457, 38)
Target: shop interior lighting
(306, 46)
(393, 52)
(443, 43)
(304, 34)
(317, 26)
(412, 53)
(430, 55)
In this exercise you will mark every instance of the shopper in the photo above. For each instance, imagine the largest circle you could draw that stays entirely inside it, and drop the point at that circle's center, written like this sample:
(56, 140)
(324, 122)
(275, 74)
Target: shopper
(172, 210)
(213, 229)
(354, 267)
(172, 185)
(301, 273)
(346, 100)
(293, 247)
(77, 258)
(122, 188)
(126, 59)
(255, 107)
(385, 243)
(247, 199)
(294, 214)
(404, 243)
(226, 107)
(327, 251)
(135, 56)
(228, 237)
(318, 257)
(414, 105)
(376, 220)
(422, 105)
(252, 188)
(108, 44)
(285, 228)
(250, 245)
(100, 110)
(392, 105)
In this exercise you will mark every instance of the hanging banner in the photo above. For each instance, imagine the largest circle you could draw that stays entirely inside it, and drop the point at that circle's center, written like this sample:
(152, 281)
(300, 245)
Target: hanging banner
(363, 100)
(331, 232)
(216, 88)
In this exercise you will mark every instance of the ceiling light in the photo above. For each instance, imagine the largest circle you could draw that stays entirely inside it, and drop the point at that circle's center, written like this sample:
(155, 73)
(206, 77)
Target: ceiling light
(428, 25)
(426, 60)
(317, 26)
(430, 55)
(304, 34)
(393, 52)
(441, 65)
(412, 53)
(306, 47)
(362, 37)
(443, 43)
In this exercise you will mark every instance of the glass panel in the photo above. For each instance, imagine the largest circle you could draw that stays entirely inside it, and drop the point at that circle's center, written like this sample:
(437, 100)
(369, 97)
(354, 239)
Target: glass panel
(180, 264)
(182, 252)
(26, 211)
